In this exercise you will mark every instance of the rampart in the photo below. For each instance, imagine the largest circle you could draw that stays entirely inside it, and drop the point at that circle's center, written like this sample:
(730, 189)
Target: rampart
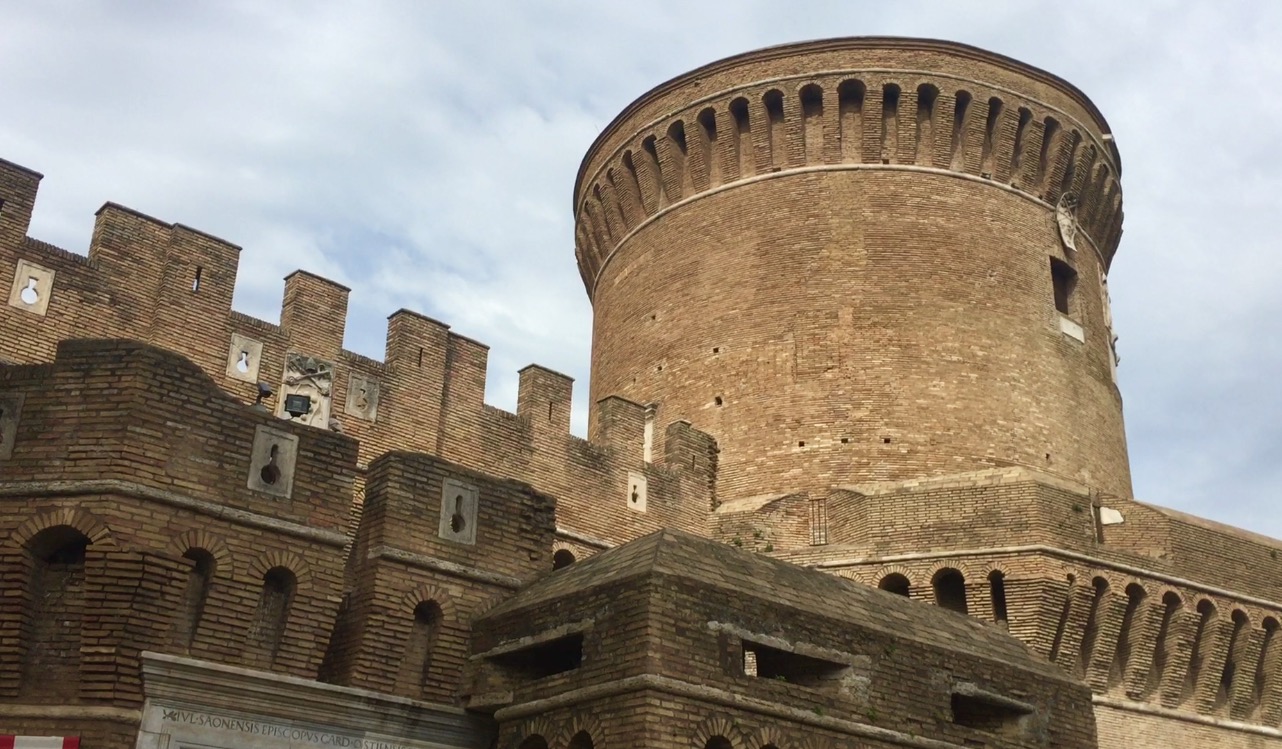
(171, 286)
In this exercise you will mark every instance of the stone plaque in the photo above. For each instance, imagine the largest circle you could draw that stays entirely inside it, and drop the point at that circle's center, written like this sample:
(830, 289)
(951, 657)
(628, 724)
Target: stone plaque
(362, 397)
(32, 287)
(243, 358)
(458, 512)
(272, 460)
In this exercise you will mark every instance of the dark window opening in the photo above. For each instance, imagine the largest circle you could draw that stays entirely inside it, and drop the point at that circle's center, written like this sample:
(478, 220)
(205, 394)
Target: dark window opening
(895, 583)
(987, 715)
(562, 559)
(718, 742)
(1064, 281)
(997, 591)
(950, 590)
(195, 282)
(793, 668)
(544, 659)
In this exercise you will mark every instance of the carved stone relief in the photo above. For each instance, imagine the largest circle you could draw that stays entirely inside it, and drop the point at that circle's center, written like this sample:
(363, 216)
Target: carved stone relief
(32, 287)
(10, 411)
(272, 461)
(458, 512)
(362, 397)
(243, 358)
(305, 390)
(1066, 217)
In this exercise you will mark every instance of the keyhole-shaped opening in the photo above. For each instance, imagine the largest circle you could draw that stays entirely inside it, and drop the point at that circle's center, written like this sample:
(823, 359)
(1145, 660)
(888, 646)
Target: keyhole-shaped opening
(271, 472)
(242, 364)
(30, 295)
(457, 521)
(362, 400)
(635, 494)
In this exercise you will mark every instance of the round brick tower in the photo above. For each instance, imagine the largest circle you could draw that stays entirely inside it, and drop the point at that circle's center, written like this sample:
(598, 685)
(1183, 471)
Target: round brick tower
(860, 260)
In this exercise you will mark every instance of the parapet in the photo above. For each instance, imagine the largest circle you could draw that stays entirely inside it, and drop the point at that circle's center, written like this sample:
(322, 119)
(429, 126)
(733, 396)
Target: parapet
(171, 286)
(855, 103)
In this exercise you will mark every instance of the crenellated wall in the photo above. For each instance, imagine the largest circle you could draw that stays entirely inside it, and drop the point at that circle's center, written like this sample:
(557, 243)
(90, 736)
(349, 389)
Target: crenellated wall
(860, 104)
(172, 286)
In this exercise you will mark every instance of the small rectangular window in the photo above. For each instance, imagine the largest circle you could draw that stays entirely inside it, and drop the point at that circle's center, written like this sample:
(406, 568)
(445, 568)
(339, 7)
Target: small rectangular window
(766, 662)
(988, 713)
(543, 659)
(1064, 280)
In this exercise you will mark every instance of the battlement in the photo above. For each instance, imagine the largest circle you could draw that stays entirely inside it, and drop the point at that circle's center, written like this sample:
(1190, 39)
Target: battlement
(878, 104)
(171, 286)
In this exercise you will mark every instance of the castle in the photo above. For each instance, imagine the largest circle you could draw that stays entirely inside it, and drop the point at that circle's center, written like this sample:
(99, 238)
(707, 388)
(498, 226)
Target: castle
(856, 472)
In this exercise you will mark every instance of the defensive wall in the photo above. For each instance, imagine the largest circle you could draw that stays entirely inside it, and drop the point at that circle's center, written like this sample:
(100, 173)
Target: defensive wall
(145, 510)
(171, 286)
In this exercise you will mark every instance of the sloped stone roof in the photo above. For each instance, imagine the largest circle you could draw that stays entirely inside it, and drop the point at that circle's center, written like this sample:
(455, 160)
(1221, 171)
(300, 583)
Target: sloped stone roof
(675, 554)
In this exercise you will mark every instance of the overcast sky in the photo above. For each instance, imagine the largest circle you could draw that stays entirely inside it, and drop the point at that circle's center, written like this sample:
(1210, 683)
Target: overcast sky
(424, 152)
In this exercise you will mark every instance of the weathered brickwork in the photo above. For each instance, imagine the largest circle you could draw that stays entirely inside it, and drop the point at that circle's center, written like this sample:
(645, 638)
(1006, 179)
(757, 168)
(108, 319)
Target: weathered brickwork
(851, 312)
(834, 271)
(673, 617)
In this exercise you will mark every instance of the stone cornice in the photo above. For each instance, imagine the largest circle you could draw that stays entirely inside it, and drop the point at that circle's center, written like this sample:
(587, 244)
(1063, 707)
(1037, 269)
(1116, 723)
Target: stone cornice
(206, 686)
(174, 499)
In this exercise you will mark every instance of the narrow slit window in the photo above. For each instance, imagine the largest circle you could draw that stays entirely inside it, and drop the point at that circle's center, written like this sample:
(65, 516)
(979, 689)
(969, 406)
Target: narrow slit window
(997, 591)
(766, 662)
